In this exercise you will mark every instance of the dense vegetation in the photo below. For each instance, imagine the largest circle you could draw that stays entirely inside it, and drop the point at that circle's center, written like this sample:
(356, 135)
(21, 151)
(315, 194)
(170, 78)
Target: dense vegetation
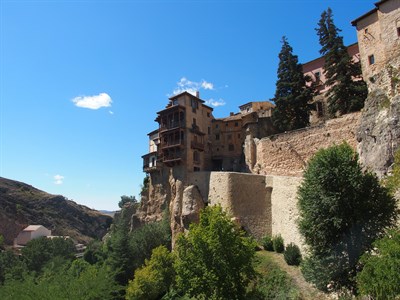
(343, 210)
(345, 94)
(292, 96)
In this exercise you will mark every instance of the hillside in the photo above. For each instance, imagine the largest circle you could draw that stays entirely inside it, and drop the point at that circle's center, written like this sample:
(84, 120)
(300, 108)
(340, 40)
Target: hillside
(22, 204)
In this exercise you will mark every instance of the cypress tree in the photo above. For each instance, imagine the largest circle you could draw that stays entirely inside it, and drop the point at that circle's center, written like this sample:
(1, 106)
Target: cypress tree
(343, 76)
(292, 96)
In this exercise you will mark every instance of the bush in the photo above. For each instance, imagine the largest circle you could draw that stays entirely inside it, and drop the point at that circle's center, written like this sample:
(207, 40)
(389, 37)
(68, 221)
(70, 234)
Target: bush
(153, 279)
(292, 255)
(267, 243)
(278, 245)
(380, 276)
(342, 209)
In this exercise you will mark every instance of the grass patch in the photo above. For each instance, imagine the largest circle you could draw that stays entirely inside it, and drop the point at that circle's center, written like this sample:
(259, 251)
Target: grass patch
(272, 282)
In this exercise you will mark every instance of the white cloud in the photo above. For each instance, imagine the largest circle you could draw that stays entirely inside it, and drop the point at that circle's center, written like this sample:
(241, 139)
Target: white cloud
(111, 112)
(191, 87)
(215, 103)
(207, 85)
(58, 179)
(93, 102)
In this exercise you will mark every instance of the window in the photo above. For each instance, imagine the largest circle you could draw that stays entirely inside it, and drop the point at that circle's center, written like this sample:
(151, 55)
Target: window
(398, 31)
(175, 102)
(217, 137)
(217, 149)
(194, 121)
(371, 59)
(209, 130)
(196, 169)
(196, 157)
(317, 76)
(208, 114)
(226, 124)
(366, 30)
(320, 112)
(229, 136)
(231, 147)
(236, 124)
(239, 135)
(216, 126)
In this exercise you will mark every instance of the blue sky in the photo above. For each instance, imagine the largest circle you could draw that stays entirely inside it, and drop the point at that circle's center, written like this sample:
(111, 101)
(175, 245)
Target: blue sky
(81, 81)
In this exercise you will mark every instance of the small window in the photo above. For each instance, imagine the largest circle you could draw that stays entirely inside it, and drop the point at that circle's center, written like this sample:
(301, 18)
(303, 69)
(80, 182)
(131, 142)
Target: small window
(209, 130)
(366, 30)
(196, 157)
(229, 136)
(216, 125)
(196, 169)
(194, 121)
(226, 124)
(398, 31)
(239, 135)
(231, 147)
(371, 59)
(317, 76)
(217, 149)
(208, 114)
(236, 124)
(217, 137)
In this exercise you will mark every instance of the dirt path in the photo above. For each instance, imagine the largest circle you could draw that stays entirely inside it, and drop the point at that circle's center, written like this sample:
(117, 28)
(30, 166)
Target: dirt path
(307, 290)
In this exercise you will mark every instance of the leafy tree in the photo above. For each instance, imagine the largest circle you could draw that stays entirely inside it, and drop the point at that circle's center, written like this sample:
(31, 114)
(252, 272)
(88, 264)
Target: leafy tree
(215, 259)
(292, 96)
(153, 279)
(11, 266)
(342, 211)
(1, 242)
(127, 199)
(347, 92)
(79, 280)
(41, 250)
(380, 276)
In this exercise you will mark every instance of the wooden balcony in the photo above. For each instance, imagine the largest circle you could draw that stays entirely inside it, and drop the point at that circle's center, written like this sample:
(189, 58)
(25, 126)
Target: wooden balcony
(197, 145)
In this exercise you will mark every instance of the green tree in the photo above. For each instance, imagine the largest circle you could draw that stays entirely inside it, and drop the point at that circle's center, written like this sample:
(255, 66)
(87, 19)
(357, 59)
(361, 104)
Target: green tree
(41, 250)
(79, 280)
(215, 259)
(292, 96)
(155, 278)
(347, 90)
(342, 211)
(127, 199)
(11, 266)
(380, 277)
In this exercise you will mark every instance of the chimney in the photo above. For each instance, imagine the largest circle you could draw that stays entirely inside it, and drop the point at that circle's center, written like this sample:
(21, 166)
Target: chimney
(231, 114)
(198, 94)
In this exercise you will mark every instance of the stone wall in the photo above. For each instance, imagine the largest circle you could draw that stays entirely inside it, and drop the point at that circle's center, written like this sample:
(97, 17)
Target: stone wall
(246, 197)
(286, 154)
(262, 205)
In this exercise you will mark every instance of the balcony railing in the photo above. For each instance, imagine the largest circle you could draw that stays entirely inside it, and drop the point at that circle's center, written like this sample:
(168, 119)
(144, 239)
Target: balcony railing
(171, 125)
(197, 145)
(170, 144)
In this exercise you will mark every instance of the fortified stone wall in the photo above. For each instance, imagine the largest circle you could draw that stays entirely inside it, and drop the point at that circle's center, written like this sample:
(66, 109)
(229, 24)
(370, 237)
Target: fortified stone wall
(246, 197)
(286, 154)
(262, 205)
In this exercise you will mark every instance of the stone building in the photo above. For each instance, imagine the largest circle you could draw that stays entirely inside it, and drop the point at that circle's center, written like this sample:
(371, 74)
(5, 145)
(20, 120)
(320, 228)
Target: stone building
(314, 69)
(378, 34)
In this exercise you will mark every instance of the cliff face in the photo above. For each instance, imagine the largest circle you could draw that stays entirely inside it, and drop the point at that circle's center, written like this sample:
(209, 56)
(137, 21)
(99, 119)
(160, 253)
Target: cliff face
(22, 205)
(379, 131)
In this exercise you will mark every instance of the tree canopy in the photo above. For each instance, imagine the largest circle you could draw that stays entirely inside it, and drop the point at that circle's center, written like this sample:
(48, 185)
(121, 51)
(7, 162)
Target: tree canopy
(347, 91)
(215, 259)
(292, 96)
(342, 211)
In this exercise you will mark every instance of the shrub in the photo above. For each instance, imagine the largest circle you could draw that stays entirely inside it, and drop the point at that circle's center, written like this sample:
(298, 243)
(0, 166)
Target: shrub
(278, 245)
(380, 276)
(292, 255)
(343, 209)
(267, 243)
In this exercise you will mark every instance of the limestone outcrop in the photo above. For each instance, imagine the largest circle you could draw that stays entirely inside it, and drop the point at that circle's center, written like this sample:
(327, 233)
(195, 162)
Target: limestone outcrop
(379, 132)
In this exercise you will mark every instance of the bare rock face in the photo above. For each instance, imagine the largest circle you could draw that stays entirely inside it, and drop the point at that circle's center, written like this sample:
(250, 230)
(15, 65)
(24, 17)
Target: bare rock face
(192, 203)
(379, 131)
(185, 208)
